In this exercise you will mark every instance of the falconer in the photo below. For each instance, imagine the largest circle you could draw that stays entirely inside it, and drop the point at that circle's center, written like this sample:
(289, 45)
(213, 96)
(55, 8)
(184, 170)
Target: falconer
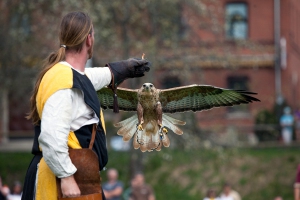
(65, 109)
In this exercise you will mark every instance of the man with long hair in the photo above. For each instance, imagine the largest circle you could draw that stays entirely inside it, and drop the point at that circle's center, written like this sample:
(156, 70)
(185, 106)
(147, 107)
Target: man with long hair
(65, 109)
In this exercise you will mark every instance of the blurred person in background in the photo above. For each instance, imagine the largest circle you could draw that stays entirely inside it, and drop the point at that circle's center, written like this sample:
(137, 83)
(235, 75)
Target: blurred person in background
(2, 197)
(229, 194)
(127, 192)
(112, 188)
(286, 123)
(278, 198)
(211, 195)
(297, 185)
(140, 190)
(297, 122)
(4, 191)
(16, 193)
(66, 111)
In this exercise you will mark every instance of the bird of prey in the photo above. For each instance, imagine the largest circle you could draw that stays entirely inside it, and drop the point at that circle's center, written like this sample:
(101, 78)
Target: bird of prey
(150, 126)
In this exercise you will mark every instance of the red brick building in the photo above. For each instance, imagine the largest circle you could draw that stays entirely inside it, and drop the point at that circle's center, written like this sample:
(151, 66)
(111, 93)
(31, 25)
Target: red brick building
(229, 44)
(235, 44)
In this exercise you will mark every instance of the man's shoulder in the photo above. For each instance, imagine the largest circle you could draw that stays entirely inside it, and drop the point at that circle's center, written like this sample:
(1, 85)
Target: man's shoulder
(235, 195)
(59, 73)
(60, 67)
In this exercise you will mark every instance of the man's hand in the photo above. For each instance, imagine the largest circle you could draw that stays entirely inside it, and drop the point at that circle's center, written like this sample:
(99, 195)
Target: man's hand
(69, 187)
(131, 68)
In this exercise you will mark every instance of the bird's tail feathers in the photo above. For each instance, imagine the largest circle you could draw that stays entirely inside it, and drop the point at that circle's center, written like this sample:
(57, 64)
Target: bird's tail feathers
(174, 121)
(151, 137)
(170, 123)
(128, 127)
(125, 121)
(165, 140)
(145, 140)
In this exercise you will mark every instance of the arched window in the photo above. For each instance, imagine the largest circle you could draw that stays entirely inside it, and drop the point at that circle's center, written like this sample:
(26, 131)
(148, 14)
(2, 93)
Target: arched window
(236, 20)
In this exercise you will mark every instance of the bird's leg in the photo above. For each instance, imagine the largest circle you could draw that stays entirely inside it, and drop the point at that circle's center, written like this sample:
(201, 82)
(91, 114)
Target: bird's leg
(140, 113)
(158, 109)
(159, 113)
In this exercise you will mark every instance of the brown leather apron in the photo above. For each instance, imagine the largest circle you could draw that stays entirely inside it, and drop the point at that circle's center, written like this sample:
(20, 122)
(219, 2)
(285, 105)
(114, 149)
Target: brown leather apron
(87, 175)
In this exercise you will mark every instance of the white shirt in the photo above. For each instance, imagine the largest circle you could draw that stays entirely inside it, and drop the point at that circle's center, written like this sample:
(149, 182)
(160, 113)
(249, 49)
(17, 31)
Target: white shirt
(66, 110)
(14, 197)
(223, 197)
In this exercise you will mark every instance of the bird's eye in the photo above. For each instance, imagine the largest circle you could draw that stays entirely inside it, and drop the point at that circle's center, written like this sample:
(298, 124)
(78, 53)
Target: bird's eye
(144, 85)
(151, 85)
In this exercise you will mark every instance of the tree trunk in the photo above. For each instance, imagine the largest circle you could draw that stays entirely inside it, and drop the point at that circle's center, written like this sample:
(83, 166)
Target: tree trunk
(5, 115)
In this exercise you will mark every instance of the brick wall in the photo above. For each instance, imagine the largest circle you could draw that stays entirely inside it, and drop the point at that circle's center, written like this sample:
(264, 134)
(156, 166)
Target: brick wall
(290, 29)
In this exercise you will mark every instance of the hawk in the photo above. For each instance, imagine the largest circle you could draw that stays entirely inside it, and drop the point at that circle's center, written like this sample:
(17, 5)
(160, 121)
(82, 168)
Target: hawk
(150, 126)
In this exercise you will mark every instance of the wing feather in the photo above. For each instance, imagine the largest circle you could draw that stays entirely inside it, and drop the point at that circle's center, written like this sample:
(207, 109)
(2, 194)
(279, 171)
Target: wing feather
(127, 98)
(201, 97)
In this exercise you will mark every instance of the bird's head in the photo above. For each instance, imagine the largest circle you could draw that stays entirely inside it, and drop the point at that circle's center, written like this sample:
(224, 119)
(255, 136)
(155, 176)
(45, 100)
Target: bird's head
(148, 87)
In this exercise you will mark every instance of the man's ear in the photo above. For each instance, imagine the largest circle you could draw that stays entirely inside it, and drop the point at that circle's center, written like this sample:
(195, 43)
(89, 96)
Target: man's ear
(89, 40)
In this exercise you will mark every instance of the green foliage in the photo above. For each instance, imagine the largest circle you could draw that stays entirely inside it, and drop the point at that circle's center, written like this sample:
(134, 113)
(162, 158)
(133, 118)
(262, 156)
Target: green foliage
(13, 166)
(254, 173)
(267, 123)
(267, 126)
(177, 174)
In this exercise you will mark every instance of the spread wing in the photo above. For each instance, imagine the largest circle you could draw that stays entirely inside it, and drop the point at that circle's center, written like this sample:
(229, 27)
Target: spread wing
(127, 98)
(201, 97)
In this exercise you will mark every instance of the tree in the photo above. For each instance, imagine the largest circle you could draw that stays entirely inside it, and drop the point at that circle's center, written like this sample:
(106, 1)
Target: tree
(122, 29)
(15, 60)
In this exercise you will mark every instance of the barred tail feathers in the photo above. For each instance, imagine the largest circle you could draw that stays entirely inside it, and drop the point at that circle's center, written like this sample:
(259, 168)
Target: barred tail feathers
(128, 127)
(126, 121)
(171, 123)
(150, 138)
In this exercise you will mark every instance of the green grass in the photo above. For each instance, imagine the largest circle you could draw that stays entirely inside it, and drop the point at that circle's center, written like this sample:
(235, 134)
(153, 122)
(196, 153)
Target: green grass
(13, 166)
(177, 174)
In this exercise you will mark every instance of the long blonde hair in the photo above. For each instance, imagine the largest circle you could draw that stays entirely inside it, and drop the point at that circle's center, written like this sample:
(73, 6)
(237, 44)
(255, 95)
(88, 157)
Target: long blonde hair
(74, 29)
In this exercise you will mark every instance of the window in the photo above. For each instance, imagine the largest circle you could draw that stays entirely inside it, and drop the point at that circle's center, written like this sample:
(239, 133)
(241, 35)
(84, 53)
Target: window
(238, 83)
(236, 21)
(171, 81)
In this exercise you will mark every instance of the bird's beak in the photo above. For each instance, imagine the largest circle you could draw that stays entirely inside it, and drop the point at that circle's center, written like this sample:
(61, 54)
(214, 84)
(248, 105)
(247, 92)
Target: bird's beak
(147, 88)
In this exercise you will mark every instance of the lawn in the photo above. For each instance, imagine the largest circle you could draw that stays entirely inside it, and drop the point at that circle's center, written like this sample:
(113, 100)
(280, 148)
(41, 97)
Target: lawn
(176, 174)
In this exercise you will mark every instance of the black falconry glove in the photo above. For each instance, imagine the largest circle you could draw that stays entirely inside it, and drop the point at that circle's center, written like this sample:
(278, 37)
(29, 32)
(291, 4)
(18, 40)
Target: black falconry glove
(122, 70)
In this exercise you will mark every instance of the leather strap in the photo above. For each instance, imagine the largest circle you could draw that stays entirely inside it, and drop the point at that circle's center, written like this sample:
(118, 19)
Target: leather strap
(93, 136)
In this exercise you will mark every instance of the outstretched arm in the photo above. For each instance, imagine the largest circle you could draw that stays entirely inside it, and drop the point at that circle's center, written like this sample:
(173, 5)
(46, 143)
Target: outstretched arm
(99, 76)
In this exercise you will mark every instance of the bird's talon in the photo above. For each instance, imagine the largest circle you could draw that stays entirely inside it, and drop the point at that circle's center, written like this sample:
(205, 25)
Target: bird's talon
(140, 127)
(164, 130)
